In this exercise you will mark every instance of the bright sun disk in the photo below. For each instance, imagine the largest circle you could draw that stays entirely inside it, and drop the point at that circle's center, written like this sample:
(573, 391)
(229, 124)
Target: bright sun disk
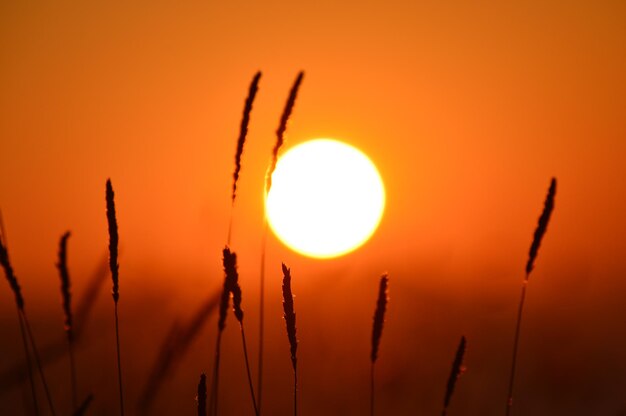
(327, 198)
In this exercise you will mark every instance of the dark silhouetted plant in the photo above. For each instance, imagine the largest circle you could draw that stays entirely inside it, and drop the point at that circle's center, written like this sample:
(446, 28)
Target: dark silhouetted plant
(377, 331)
(280, 139)
(114, 266)
(66, 296)
(542, 226)
(290, 323)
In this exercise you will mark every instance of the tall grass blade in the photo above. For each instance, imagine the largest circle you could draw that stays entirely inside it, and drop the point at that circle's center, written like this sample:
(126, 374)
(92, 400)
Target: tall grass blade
(38, 362)
(282, 128)
(241, 140)
(67, 309)
(230, 269)
(280, 139)
(542, 226)
(290, 323)
(113, 265)
(377, 331)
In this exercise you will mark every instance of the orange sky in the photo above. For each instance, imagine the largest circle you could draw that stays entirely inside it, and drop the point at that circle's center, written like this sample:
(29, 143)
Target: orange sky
(467, 108)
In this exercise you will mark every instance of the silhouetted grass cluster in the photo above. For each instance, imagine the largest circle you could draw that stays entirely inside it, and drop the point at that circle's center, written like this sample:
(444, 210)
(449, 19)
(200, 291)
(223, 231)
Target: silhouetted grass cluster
(182, 333)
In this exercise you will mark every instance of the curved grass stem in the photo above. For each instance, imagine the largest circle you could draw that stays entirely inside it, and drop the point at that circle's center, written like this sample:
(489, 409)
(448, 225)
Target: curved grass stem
(245, 354)
(38, 362)
(29, 364)
(72, 373)
(119, 361)
(261, 316)
(216, 376)
(295, 391)
(518, 326)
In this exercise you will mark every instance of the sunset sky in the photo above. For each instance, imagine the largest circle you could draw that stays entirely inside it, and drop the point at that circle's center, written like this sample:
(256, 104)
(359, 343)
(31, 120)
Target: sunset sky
(467, 109)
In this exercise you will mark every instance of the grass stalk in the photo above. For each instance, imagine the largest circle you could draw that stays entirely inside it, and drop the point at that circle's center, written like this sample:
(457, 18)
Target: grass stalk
(261, 315)
(38, 362)
(213, 398)
(231, 286)
(377, 331)
(295, 391)
(221, 324)
(29, 364)
(280, 139)
(290, 323)
(114, 266)
(5, 263)
(245, 355)
(67, 309)
(119, 361)
(241, 140)
(542, 226)
(232, 277)
(70, 347)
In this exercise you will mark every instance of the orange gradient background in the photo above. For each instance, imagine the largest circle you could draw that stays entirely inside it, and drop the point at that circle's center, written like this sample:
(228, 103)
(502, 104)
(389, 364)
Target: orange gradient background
(467, 109)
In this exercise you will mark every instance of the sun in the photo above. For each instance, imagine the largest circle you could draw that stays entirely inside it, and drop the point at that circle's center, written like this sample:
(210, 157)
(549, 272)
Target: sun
(327, 198)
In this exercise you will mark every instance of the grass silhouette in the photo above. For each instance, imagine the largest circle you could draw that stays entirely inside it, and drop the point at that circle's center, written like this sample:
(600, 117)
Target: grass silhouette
(114, 266)
(377, 331)
(25, 330)
(183, 332)
(290, 323)
(542, 226)
(66, 295)
(280, 139)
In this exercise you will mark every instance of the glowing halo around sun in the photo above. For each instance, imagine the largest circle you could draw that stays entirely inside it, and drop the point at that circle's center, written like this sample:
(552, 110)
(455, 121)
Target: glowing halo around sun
(327, 198)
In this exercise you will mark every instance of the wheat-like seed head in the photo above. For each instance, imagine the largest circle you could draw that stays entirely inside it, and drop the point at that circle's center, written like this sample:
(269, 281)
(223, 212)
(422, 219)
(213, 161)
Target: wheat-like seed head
(542, 226)
(243, 130)
(232, 281)
(282, 127)
(290, 315)
(65, 284)
(113, 240)
(8, 269)
(379, 316)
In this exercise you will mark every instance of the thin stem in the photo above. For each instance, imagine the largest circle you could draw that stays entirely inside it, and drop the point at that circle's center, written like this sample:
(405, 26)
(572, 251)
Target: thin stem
(230, 223)
(245, 354)
(295, 391)
(216, 376)
(372, 389)
(29, 364)
(38, 362)
(261, 315)
(72, 371)
(119, 362)
(518, 326)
